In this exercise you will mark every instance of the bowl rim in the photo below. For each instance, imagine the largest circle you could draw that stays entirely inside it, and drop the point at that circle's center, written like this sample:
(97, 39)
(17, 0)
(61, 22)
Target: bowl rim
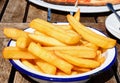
(56, 79)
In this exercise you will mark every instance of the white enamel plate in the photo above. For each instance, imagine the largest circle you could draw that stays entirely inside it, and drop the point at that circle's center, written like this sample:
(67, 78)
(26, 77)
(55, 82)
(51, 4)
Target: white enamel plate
(110, 54)
(113, 25)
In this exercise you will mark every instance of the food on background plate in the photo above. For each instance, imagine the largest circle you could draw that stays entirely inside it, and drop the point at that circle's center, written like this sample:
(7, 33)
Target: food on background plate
(72, 55)
(83, 2)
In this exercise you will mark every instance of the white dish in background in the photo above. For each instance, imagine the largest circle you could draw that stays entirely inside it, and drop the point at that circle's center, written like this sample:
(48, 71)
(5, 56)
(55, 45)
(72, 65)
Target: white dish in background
(110, 54)
(113, 25)
(83, 9)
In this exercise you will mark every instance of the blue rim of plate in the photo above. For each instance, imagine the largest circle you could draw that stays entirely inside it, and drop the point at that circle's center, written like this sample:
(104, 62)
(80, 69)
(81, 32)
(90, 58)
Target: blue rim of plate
(53, 79)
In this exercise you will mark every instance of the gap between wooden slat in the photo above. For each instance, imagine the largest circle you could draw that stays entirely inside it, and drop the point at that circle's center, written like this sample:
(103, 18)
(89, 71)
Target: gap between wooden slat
(14, 12)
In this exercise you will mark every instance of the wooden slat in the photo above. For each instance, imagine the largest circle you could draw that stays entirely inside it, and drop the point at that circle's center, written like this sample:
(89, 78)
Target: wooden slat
(112, 80)
(2, 3)
(5, 68)
(14, 11)
(58, 16)
(3, 43)
(102, 17)
(87, 17)
(36, 12)
(87, 20)
(118, 49)
(22, 78)
(19, 78)
(119, 65)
